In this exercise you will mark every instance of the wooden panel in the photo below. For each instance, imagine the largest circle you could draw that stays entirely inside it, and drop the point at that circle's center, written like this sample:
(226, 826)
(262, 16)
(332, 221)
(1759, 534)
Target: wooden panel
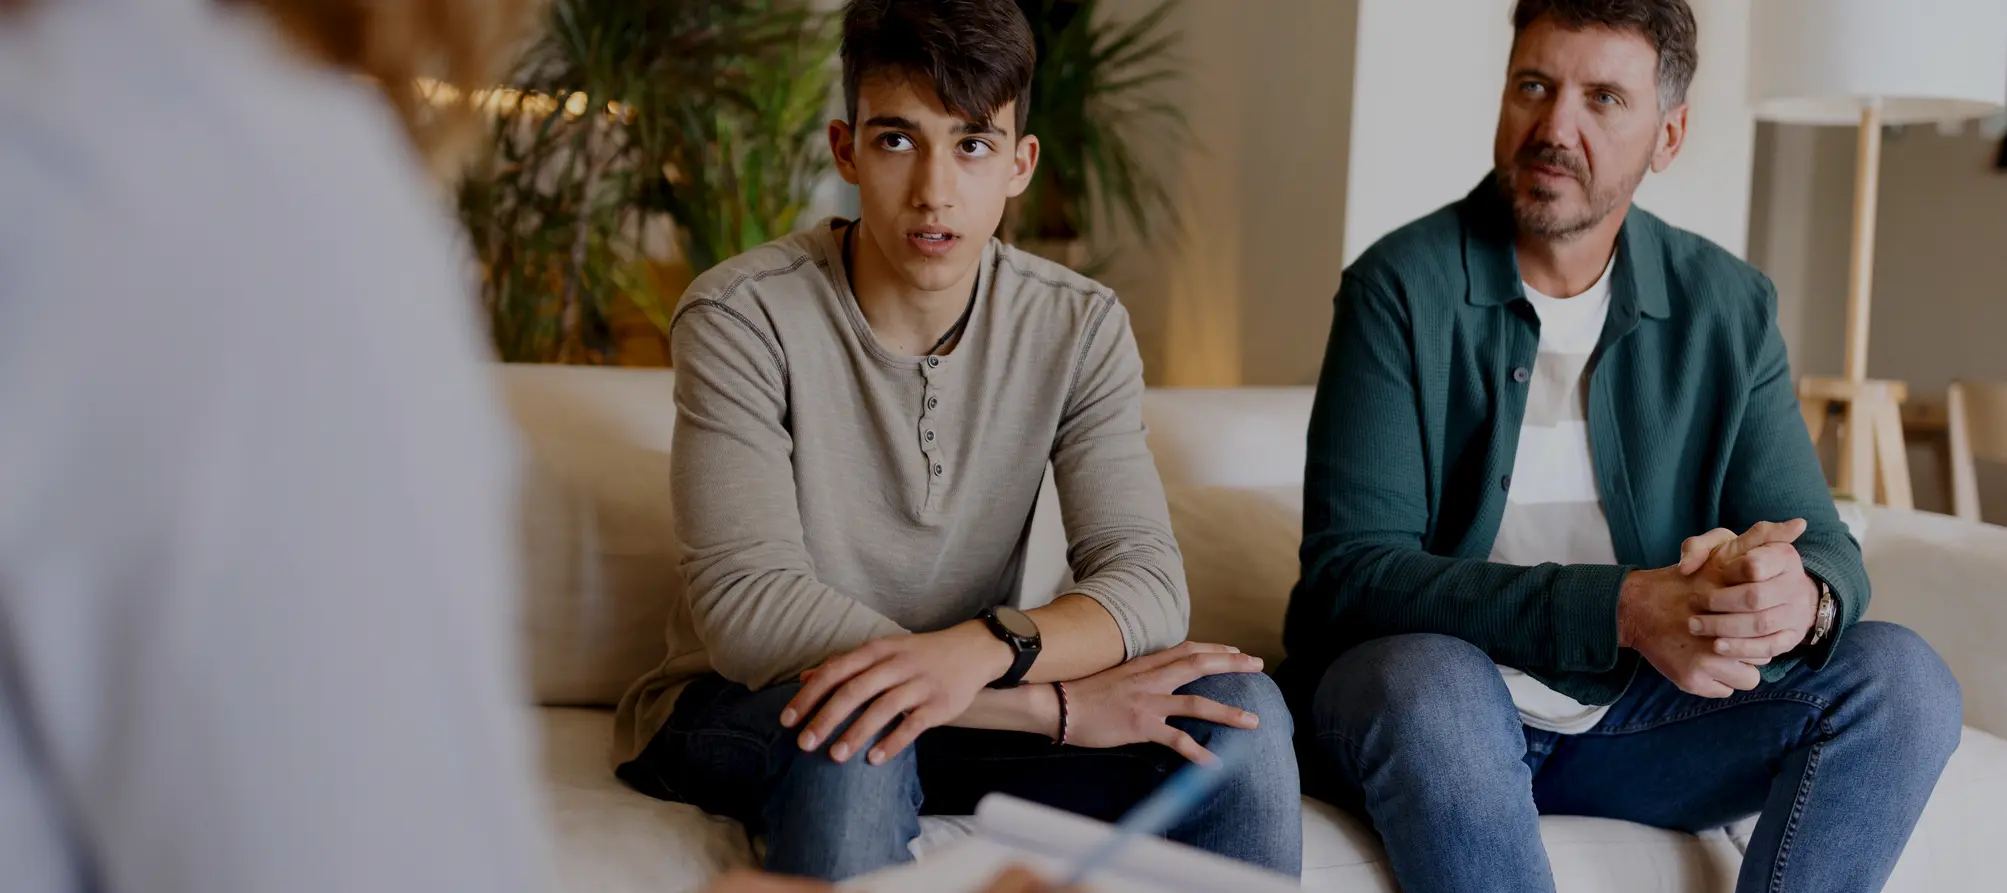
(1986, 416)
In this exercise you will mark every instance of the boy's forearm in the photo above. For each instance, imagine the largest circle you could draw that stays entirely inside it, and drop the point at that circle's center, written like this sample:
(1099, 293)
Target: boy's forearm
(1078, 638)
(1032, 709)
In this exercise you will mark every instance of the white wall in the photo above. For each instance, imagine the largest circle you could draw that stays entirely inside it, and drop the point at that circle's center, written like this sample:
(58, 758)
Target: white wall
(1430, 73)
(1425, 109)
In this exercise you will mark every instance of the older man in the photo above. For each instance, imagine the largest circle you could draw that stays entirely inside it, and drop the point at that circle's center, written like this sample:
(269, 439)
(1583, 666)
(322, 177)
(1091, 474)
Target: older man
(1531, 401)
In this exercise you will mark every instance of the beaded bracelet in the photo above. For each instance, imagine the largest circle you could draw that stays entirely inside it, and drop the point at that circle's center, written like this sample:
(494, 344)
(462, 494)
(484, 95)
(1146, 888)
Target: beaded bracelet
(1060, 687)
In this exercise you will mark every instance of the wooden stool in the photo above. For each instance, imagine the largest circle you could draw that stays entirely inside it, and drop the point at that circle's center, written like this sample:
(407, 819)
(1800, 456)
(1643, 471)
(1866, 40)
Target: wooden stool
(1874, 462)
(1976, 426)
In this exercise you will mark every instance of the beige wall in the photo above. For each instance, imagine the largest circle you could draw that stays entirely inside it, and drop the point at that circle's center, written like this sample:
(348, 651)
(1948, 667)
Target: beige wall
(1244, 297)
(1940, 288)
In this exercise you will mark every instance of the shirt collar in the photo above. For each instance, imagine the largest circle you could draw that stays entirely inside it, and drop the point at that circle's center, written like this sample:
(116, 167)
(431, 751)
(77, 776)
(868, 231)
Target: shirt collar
(1637, 285)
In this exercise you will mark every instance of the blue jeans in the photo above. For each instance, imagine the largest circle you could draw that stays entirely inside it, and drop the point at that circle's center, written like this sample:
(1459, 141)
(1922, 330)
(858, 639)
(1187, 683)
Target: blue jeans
(725, 752)
(1418, 734)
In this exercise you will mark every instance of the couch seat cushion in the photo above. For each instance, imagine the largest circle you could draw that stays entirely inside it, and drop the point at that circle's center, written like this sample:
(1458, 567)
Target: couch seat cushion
(610, 839)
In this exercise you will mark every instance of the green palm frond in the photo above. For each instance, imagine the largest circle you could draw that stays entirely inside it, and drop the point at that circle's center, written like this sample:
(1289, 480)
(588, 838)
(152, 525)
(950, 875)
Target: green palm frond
(1094, 99)
(614, 96)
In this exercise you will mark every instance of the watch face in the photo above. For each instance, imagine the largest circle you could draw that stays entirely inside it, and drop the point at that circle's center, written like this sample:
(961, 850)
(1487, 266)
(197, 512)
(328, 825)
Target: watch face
(1015, 621)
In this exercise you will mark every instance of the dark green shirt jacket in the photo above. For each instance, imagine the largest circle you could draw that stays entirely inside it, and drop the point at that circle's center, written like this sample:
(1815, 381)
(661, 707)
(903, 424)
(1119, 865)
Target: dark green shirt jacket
(1693, 424)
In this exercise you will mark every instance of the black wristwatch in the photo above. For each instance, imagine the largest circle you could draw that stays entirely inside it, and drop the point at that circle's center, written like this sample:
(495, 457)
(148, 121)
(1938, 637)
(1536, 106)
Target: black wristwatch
(1021, 634)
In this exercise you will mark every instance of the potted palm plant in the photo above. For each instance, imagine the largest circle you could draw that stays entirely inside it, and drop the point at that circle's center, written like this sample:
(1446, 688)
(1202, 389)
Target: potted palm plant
(622, 112)
(1094, 95)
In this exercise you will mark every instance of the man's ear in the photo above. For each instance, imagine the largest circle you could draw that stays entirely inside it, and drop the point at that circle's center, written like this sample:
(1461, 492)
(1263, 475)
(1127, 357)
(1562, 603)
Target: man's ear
(1024, 163)
(843, 146)
(1672, 138)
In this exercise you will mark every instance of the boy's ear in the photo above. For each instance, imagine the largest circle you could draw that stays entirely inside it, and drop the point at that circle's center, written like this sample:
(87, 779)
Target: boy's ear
(843, 146)
(1024, 164)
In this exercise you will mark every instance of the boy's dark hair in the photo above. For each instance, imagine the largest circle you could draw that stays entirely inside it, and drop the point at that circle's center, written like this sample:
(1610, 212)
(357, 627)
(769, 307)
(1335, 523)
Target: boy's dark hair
(1667, 24)
(976, 54)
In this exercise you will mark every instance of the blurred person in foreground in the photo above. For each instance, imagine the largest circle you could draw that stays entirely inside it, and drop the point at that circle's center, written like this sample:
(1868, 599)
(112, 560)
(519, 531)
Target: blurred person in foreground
(256, 607)
(256, 597)
(864, 414)
(1535, 405)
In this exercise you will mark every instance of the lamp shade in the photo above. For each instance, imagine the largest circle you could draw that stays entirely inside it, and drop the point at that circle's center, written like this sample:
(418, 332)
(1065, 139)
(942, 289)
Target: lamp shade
(1821, 61)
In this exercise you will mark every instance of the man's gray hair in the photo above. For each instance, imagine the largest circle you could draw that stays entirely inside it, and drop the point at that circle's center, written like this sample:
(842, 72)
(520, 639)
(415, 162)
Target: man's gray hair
(1668, 24)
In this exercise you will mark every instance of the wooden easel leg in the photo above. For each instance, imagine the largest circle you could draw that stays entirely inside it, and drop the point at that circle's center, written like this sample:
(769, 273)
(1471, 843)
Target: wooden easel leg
(1814, 412)
(1891, 454)
(1958, 438)
(1857, 451)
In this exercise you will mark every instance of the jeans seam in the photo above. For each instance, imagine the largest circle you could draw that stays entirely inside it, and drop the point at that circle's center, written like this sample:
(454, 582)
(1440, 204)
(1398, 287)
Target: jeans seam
(1803, 794)
(1796, 697)
(1350, 749)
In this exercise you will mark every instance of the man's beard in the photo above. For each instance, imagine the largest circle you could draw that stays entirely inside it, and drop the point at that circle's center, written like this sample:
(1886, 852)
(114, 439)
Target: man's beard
(1543, 216)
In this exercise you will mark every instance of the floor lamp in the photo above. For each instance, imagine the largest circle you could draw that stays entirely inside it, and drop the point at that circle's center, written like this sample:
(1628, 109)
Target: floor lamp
(1869, 64)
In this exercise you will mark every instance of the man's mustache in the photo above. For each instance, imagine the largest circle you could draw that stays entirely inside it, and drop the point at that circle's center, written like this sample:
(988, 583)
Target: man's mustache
(1554, 156)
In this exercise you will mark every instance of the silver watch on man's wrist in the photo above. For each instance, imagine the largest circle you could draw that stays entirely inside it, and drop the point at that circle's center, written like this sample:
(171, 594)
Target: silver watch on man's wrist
(1822, 622)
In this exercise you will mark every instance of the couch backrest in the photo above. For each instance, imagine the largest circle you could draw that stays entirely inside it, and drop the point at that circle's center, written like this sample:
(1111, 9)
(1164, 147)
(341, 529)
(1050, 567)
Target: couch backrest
(1228, 437)
(599, 545)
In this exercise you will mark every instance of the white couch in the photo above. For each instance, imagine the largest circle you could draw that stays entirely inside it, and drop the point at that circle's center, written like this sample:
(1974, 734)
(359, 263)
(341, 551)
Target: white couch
(600, 557)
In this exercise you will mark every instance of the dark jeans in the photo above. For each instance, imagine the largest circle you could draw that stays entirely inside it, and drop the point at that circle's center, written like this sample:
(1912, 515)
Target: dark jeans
(725, 752)
(1418, 734)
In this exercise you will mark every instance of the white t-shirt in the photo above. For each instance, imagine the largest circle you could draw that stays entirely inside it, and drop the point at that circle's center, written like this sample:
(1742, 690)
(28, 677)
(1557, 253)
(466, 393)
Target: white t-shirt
(1553, 512)
(257, 626)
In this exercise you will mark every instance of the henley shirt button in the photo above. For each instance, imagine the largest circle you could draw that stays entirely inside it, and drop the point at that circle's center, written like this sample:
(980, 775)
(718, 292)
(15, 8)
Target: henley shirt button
(1522, 375)
(929, 435)
(933, 403)
(933, 362)
(938, 470)
(1505, 483)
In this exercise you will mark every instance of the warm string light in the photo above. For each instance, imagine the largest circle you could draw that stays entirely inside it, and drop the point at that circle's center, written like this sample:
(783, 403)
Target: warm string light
(495, 100)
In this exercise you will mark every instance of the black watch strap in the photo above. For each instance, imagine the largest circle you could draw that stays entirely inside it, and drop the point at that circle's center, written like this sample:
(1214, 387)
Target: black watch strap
(1021, 634)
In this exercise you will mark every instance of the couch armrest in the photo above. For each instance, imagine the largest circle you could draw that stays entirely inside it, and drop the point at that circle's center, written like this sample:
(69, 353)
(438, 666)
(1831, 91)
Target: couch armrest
(1947, 580)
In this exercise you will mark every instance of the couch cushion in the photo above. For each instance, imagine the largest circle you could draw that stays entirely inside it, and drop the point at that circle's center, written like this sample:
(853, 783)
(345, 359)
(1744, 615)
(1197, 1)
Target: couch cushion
(1236, 437)
(613, 840)
(1943, 578)
(598, 543)
(1239, 546)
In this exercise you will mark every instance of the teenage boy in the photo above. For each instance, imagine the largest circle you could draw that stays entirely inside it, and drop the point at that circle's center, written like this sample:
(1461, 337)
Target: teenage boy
(1531, 400)
(865, 412)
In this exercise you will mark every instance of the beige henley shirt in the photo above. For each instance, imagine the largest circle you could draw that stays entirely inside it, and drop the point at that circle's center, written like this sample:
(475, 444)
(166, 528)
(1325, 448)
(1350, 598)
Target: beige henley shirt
(829, 493)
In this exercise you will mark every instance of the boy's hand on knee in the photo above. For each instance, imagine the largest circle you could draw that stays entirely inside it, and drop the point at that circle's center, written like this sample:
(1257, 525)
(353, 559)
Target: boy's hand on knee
(1133, 703)
(918, 682)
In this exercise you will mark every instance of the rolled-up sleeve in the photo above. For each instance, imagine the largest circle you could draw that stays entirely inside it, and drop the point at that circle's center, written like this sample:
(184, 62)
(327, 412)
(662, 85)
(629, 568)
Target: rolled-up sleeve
(1118, 529)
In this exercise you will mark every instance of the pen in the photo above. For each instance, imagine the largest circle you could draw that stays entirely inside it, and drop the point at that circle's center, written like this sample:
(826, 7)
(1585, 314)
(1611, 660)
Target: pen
(1183, 792)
